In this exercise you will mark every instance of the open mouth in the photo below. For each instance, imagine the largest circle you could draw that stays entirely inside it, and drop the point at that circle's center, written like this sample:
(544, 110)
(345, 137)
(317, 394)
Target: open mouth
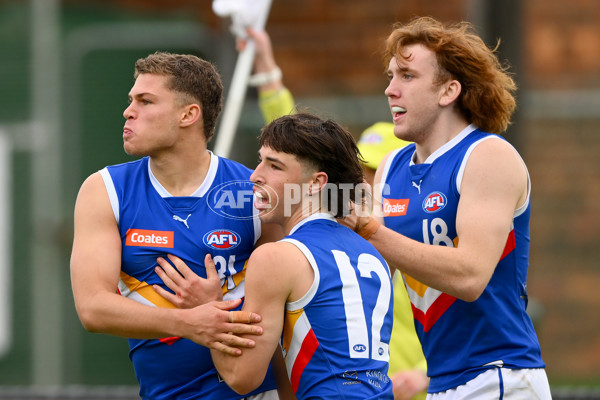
(397, 111)
(261, 201)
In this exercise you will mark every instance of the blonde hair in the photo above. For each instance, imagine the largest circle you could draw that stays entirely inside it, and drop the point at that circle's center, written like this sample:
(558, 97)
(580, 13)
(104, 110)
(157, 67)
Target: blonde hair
(487, 95)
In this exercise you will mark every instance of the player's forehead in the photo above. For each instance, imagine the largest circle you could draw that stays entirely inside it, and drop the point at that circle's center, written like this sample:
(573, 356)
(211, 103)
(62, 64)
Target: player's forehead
(413, 56)
(150, 84)
(268, 153)
(289, 160)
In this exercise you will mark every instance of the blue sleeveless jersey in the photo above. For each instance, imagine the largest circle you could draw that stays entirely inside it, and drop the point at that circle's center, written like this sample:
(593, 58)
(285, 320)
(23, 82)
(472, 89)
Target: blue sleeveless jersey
(460, 339)
(335, 339)
(217, 219)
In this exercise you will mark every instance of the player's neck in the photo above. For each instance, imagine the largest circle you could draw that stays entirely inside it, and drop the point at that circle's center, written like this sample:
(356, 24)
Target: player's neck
(441, 133)
(181, 175)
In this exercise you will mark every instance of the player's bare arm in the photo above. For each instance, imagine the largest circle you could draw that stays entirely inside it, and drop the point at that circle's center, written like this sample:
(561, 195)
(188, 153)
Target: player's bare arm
(286, 281)
(95, 270)
(493, 186)
(96, 264)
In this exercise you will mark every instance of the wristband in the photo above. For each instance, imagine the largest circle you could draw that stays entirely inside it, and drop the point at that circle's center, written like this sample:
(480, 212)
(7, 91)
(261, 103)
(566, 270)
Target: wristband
(369, 229)
(264, 78)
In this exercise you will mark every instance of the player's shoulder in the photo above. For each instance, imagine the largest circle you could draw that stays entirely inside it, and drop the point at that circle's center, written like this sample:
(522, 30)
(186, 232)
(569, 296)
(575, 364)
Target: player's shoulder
(274, 252)
(92, 182)
(98, 180)
(277, 259)
(92, 194)
(493, 148)
(496, 160)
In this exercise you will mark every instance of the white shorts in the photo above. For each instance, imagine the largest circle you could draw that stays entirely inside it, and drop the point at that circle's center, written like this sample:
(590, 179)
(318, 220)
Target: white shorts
(501, 384)
(270, 395)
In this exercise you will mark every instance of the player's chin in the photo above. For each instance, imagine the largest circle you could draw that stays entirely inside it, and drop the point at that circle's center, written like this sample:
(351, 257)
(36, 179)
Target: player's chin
(267, 216)
(131, 150)
(264, 217)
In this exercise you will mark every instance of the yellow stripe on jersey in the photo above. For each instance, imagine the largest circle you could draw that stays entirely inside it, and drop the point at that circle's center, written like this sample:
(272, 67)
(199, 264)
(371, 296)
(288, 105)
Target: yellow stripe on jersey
(291, 317)
(145, 290)
(415, 285)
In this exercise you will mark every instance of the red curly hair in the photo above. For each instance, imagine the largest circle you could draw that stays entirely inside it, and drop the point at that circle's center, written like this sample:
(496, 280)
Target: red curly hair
(487, 95)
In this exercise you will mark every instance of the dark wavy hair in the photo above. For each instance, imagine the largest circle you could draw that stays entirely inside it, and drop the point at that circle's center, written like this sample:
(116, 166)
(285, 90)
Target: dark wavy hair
(487, 94)
(194, 79)
(323, 145)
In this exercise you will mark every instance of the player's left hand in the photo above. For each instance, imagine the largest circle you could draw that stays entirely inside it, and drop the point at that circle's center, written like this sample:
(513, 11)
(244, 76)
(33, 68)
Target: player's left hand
(361, 213)
(407, 384)
(215, 325)
(190, 289)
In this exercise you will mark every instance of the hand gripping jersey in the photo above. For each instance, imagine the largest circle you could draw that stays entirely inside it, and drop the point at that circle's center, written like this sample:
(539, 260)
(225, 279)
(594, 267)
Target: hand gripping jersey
(335, 339)
(460, 339)
(217, 219)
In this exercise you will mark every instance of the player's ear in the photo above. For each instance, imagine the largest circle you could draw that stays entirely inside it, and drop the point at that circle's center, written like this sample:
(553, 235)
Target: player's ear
(449, 92)
(318, 182)
(190, 114)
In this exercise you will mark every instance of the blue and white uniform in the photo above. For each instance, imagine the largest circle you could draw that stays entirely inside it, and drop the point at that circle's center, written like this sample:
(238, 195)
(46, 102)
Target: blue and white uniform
(218, 219)
(336, 337)
(460, 339)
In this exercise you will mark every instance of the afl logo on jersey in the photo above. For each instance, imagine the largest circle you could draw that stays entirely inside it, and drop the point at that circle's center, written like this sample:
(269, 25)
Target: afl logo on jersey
(360, 348)
(221, 239)
(434, 202)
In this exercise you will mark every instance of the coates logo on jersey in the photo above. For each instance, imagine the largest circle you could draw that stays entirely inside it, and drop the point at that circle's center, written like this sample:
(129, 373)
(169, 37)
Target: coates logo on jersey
(395, 207)
(221, 239)
(434, 202)
(148, 238)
